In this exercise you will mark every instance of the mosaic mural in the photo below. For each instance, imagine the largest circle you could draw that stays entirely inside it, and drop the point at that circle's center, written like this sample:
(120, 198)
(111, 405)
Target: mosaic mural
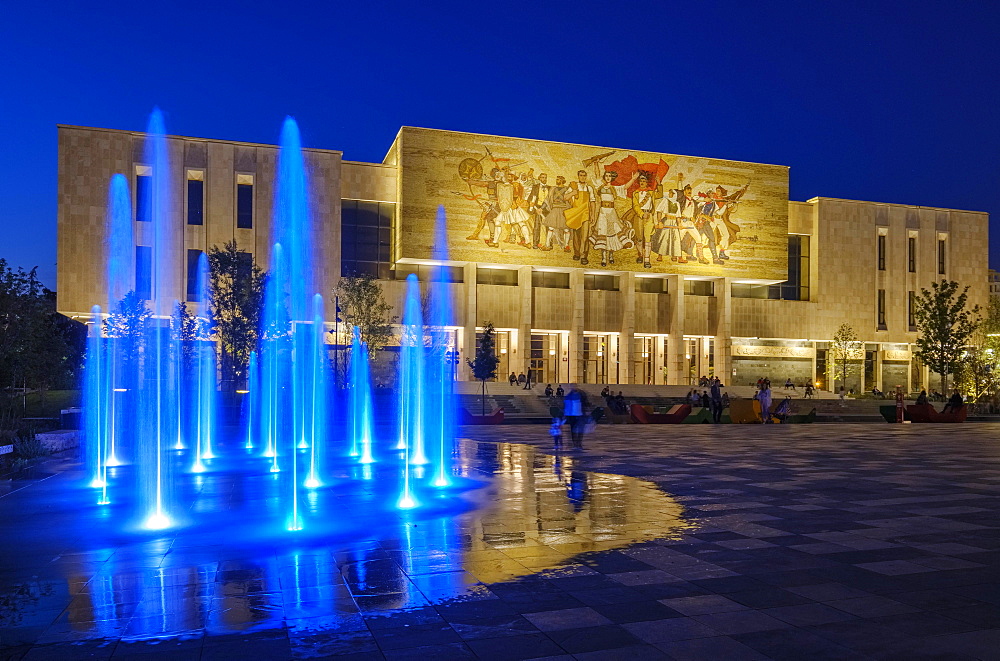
(529, 202)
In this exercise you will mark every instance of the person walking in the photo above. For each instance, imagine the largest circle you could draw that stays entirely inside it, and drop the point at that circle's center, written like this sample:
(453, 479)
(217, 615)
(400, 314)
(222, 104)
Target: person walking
(716, 400)
(575, 409)
(843, 393)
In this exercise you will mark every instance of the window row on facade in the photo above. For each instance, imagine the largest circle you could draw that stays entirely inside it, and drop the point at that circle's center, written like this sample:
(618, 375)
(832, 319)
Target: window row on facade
(194, 197)
(881, 252)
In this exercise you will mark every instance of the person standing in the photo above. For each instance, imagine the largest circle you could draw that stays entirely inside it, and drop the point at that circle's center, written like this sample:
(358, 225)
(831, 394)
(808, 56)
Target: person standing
(576, 415)
(765, 401)
(716, 400)
(553, 216)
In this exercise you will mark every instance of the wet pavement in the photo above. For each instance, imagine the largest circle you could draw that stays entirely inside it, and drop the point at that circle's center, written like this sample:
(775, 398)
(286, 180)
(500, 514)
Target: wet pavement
(687, 542)
(77, 584)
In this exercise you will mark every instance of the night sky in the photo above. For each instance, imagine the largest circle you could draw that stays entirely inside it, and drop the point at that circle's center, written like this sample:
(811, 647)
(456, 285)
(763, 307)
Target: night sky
(890, 102)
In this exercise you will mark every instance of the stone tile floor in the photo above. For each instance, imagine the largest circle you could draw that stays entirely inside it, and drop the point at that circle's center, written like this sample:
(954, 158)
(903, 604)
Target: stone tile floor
(815, 541)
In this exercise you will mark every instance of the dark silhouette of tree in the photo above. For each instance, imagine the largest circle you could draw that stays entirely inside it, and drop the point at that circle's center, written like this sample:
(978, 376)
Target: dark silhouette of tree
(484, 366)
(236, 300)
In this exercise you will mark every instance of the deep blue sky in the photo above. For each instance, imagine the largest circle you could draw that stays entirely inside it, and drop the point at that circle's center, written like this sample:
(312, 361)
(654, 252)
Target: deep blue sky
(893, 102)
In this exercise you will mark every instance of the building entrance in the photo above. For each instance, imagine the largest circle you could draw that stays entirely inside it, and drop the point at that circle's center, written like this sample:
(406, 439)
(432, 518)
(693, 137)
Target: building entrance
(546, 352)
(595, 358)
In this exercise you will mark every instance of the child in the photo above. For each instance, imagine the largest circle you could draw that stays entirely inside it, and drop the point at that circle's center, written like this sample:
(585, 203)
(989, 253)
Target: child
(555, 431)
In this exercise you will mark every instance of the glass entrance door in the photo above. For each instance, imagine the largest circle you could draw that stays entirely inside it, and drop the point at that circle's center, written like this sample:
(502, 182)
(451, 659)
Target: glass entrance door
(595, 359)
(642, 360)
(545, 358)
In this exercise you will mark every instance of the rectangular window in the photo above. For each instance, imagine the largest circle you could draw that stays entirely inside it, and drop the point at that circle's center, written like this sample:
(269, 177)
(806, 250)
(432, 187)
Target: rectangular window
(144, 197)
(942, 249)
(429, 272)
(881, 309)
(699, 287)
(244, 206)
(911, 310)
(144, 272)
(550, 279)
(881, 252)
(196, 202)
(911, 254)
(600, 282)
(496, 277)
(193, 294)
(651, 285)
(366, 238)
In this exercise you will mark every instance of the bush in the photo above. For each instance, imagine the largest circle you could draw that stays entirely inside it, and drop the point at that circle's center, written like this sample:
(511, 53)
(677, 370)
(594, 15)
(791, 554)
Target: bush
(29, 447)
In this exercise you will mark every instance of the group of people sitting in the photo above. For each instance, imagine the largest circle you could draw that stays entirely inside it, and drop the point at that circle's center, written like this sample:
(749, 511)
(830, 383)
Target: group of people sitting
(955, 402)
(615, 403)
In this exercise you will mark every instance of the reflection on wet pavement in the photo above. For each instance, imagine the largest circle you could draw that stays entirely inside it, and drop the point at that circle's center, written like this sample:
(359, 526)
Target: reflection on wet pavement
(536, 514)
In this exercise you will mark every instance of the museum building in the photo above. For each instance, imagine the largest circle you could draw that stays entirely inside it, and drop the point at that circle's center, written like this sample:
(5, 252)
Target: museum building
(595, 265)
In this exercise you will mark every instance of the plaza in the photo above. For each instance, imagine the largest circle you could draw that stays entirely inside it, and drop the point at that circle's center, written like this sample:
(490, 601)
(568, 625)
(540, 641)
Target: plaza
(842, 541)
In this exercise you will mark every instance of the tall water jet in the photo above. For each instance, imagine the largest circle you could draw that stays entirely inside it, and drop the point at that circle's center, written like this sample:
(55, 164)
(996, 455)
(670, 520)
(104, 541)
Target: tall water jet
(292, 287)
(439, 402)
(95, 396)
(316, 394)
(410, 386)
(205, 412)
(156, 402)
(250, 405)
(119, 256)
(360, 400)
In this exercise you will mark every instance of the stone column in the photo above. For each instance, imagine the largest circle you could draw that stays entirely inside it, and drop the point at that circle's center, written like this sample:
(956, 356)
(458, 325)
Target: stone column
(524, 318)
(878, 367)
(576, 323)
(471, 321)
(626, 364)
(723, 330)
(676, 367)
(659, 359)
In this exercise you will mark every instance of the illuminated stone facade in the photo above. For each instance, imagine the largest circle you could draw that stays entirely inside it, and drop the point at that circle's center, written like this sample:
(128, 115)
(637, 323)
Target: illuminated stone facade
(768, 309)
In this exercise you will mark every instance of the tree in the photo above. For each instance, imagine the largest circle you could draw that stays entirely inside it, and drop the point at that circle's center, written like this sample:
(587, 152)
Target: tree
(189, 329)
(944, 327)
(484, 367)
(127, 323)
(39, 348)
(978, 372)
(363, 303)
(236, 298)
(845, 349)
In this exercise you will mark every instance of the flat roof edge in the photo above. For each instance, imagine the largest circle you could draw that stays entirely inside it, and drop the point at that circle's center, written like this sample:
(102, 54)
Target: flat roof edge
(890, 204)
(192, 137)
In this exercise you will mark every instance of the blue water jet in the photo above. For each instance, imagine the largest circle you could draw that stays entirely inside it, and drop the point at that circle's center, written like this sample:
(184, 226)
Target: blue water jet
(440, 404)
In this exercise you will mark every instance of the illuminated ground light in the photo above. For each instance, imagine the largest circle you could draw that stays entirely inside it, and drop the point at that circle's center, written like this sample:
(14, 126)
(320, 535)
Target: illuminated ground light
(275, 469)
(406, 502)
(295, 524)
(312, 483)
(157, 521)
(98, 483)
(113, 461)
(441, 481)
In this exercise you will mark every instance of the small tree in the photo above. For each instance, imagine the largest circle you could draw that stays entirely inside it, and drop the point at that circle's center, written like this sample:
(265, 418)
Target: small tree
(363, 303)
(944, 327)
(978, 373)
(484, 367)
(236, 297)
(845, 350)
(127, 323)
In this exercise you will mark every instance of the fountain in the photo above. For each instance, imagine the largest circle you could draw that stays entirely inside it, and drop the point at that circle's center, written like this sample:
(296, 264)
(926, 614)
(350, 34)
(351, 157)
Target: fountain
(156, 426)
